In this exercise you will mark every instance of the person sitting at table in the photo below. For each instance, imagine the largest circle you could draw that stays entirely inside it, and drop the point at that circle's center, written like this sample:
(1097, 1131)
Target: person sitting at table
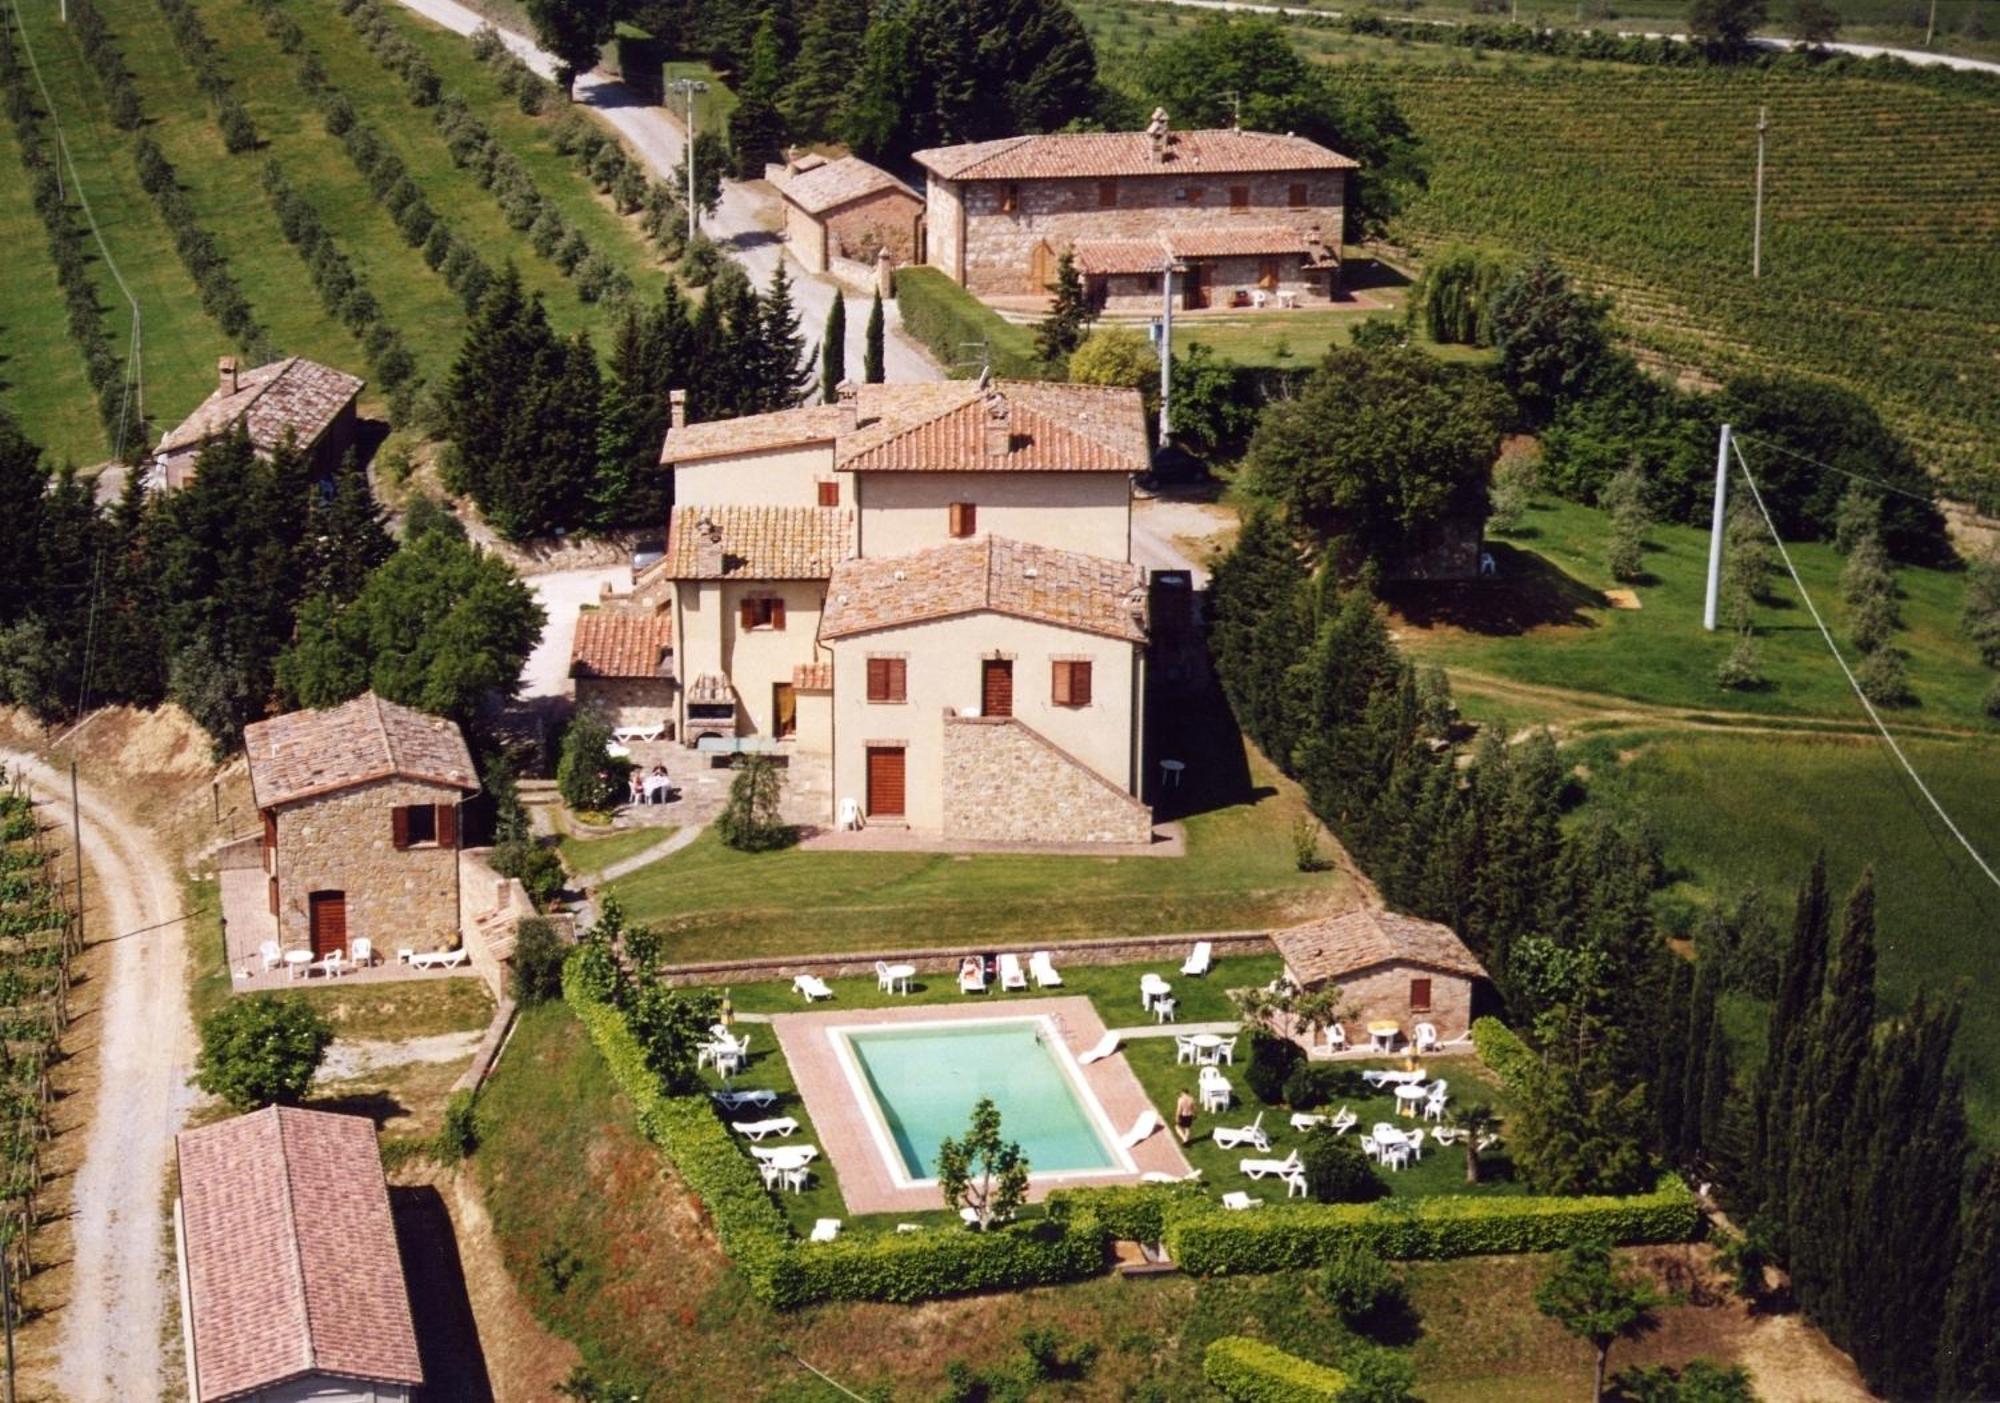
(656, 785)
(637, 785)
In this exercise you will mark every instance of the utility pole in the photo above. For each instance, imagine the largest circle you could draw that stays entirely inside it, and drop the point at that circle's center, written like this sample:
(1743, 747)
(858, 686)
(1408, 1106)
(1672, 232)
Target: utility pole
(76, 839)
(1930, 26)
(1757, 228)
(690, 86)
(1715, 531)
(1166, 348)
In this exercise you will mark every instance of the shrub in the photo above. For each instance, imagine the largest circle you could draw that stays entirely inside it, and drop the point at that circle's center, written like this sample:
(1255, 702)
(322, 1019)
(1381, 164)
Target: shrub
(1356, 1282)
(1699, 1381)
(1742, 667)
(239, 133)
(1272, 1060)
(701, 261)
(1992, 703)
(1249, 1371)
(1377, 1375)
(1336, 1171)
(1884, 678)
(947, 318)
(261, 1050)
(750, 820)
(538, 869)
(1315, 1084)
(587, 777)
(539, 953)
(458, 1137)
(1502, 1050)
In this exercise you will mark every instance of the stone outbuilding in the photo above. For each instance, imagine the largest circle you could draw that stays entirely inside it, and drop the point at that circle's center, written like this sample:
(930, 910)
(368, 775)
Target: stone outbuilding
(361, 806)
(622, 662)
(291, 1280)
(295, 398)
(846, 210)
(1390, 967)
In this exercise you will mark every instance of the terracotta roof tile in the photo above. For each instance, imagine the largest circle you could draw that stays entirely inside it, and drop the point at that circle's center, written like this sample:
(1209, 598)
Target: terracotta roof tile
(1099, 256)
(1066, 588)
(758, 542)
(1227, 241)
(304, 753)
(714, 438)
(813, 677)
(1076, 155)
(295, 395)
(622, 642)
(291, 1255)
(1335, 947)
(1050, 428)
(827, 186)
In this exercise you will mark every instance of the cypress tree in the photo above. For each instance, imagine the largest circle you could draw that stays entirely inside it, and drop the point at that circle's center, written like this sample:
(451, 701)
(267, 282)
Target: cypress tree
(871, 347)
(1799, 980)
(651, 356)
(756, 127)
(1968, 1353)
(833, 350)
(345, 538)
(1677, 1082)
(1069, 316)
(828, 42)
(24, 478)
(130, 665)
(1258, 628)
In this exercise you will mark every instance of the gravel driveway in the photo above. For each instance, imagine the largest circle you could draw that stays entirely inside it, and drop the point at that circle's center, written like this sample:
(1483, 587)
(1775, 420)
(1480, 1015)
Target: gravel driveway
(561, 593)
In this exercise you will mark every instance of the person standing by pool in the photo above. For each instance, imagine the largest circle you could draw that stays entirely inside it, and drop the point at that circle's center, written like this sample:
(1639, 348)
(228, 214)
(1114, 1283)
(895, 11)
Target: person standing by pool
(1184, 1115)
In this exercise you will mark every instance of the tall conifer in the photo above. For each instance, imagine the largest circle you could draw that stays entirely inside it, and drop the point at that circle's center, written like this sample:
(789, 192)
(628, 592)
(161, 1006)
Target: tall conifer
(1799, 980)
(1969, 1342)
(784, 371)
(871, 346)
(833, 350)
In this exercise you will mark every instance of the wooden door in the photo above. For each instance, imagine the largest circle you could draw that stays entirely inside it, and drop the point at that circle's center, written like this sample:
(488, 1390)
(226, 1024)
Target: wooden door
(996, 687)
(327, 921)
(784, 710)
(885, 781)
(1194, 283)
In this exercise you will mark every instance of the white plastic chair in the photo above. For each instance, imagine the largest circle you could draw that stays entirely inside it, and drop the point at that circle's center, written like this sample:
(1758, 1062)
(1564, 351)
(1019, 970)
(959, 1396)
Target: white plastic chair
(1336, 1037)
(1434, 1103)
(1240, 1200)
(334, 963)
(1414, 1141)
(1163, 1008)
(362, 951)
(1184, 1048)
(1427, 1036)
(1295, 1186)
(272, 955)
(1227, 1052)
(882, 975)
(1370, 1148)
(850, 814)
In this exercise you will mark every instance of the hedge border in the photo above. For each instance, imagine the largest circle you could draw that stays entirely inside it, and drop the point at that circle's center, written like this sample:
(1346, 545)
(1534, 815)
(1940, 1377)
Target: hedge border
(1503, 1052)
(945, 317)
(1250, 1371)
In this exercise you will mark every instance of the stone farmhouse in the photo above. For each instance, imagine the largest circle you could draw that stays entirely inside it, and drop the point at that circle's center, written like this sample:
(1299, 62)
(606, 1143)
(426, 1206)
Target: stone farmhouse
(927, 586)
(291, 1281)
(1242, 218)
(1391, 968)
(360, 807)
(622, 662)
(311, 403)
(846, 210)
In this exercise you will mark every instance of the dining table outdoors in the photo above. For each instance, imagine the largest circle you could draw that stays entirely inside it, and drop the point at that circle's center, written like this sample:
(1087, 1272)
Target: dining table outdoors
(1384, 1035)
(1152, 987)
(298, 962)
(899, 977)
(1206, 1046)
(1409, 1096)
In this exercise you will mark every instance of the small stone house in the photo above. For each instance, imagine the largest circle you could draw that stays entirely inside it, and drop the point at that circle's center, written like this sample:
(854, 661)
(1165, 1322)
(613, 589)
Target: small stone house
(310, 403)
(622, 662)
(1235, 215)
(360, 806)
(846, 209)
(291, 1280)
(1391, 968)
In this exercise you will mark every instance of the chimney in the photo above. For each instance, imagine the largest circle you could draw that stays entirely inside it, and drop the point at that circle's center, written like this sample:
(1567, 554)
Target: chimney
(677, 409)
(707, 547)
(999, 426)
(1156, 130)
(847, 395)
(225, 374)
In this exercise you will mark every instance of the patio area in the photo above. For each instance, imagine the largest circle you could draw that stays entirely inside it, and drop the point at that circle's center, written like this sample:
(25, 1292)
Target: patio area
(247, 923)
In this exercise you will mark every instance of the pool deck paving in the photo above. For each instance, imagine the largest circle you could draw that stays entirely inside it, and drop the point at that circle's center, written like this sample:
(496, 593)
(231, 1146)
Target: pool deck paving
(842, 1125)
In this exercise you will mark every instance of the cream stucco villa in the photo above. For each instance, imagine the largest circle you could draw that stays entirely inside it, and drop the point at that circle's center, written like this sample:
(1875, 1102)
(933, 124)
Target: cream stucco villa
(929, 587)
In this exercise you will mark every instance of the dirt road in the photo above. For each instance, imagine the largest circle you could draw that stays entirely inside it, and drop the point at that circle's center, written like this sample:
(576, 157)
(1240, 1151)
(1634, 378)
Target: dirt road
(110, 1348)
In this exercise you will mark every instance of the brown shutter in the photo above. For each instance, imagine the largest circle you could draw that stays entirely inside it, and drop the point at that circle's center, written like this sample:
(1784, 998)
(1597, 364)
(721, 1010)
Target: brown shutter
(964, 518)
(777, 613)
(1420, 995)
(749, 613)
(399, 826)
(1079, 684)
(447, 825)
(878, 679)
(1059, 684)
(997, 687)
(1107, 194)
(899, 679)
(273, 890)
(1239, 197)
(829, 494)
(1296, 196)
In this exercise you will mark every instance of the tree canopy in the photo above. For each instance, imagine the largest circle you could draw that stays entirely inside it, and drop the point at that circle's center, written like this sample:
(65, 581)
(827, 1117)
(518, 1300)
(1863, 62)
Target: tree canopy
(261, 1051)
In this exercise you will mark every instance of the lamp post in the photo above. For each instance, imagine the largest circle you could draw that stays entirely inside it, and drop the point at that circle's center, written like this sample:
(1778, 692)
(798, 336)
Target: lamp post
(689, 87)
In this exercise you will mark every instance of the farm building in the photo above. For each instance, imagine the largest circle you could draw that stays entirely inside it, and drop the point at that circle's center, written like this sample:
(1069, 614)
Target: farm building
(846, 210)
(622, 662)
(1391, 968)
(291, 1280)
(309, 403)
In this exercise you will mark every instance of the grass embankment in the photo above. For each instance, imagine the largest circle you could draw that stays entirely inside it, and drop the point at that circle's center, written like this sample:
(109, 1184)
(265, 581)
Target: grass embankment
(586, 855)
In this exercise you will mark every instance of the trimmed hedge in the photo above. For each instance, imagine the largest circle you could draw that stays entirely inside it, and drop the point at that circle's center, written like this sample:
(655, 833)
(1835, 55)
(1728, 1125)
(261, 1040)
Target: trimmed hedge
(1501, 1049)
(1250, 1371)
(945, 317)
(1209, 1241)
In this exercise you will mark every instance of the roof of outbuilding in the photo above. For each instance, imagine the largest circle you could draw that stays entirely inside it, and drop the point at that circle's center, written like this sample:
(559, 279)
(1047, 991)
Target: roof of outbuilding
(991, 574)
(304, 753)
(1237, 241)
(291, 1256)
(826, 186)
(1336, 946)
(1080, 155)
(618, 642)
(758, 542)
(294, 395)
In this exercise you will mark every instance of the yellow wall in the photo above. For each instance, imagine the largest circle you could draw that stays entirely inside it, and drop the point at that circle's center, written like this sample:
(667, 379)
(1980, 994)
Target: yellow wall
(779, 477)
(711, 639)
(1089, 512)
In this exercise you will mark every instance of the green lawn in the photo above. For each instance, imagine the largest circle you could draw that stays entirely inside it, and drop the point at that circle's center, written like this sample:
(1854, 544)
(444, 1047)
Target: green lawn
(585, 855)
(1544, 622)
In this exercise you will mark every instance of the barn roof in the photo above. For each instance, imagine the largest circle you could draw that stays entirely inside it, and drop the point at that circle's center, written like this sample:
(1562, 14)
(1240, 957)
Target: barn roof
(304, 753)
(1081, 155)
(1335, 947)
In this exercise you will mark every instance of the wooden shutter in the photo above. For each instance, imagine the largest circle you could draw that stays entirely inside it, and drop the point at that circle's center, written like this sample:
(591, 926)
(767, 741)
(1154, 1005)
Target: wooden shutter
(1296, 196)
(399, 826)
(996, 687)
(272, 889)
(1420, 995)
(1107, 194)
(447, 825)
(885, 781)
(270, 853)
(1239, 197)
(878, 679)
(777, 613)
(829, 494)
(749, 613)
(1059, 684)
(899, 679)
(1079, 683)
(964, 518)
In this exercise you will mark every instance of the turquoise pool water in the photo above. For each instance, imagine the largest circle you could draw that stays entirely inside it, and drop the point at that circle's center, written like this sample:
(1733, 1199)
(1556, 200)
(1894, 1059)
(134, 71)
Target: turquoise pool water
(927, 1080)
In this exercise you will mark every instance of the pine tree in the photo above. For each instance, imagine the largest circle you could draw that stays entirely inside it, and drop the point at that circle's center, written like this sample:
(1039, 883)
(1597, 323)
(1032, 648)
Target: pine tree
(782, 371)
(833, 350)
(828, 41)
(24, 478)
(651, 356)
(872, 343)
(130, 665)
(756, 127)
(345, 537)
(883, 89)
(1968, 1353)
(1259, 629)
(1684, 1024)
(1061, 331)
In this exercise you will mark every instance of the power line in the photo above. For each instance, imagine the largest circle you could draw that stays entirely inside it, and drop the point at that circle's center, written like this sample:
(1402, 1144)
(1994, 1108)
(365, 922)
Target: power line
(1843, 472)
(1867, 705)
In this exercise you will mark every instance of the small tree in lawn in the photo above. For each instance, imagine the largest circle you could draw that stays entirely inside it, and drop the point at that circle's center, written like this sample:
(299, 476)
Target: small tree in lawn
(1061, 332)
(1316, 1010)
(261, 1051)
(1475, 1123)
(750, 821)
(1595, 1299)
(982, 1172)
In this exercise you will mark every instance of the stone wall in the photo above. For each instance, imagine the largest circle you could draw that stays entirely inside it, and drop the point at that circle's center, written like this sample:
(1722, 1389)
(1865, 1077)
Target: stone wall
(629, 701)
(1382, 992)
(1225, 278)
(490, 908)
(399, 898)
(886, 219)
(1004, 782)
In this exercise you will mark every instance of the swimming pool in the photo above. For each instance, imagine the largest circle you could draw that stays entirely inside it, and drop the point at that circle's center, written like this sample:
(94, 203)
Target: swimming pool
(921, 1081)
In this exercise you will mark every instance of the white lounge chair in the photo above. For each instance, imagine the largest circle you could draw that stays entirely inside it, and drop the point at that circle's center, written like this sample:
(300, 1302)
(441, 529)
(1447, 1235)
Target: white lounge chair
(1011, 975)
(1198, 959)
(785, 1154)
(1259, 1168)
(1228, 1137)
(1156, 1176)
(1377, 1076)
(970, 1217)
(1149, 1121)
(1344, 1120)
(271, 954)
(825, 1230)
(1306, 1120)
(1427, 1036)
(759, 1129)
(1106, 1045)
(434, 959)
(1044, 970)
(737, 1100)
(812, 986)
(1444, 1135)
(972, 976)
(1240, 1200)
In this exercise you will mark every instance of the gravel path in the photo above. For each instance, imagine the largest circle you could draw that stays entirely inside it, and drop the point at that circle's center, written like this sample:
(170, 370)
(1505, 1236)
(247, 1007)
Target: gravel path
(347, 1058)
(110, 1337)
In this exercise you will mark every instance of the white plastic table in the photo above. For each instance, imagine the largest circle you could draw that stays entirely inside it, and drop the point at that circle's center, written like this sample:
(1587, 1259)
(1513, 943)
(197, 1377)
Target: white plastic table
(1207, 1042)
(1151, 987)
(1408, 1095)
(899, 977)
(297, 960)
(1170, 773)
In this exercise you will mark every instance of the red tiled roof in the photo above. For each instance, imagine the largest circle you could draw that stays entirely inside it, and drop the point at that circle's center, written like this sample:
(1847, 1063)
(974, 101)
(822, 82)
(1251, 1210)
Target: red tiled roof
(1100, 256)
(1061, 587)
(1334, 947)
(294, 395)
(820, 188)
(813, 677)
(758, 543)
(1080, 155)
(1230, 241)
(290, 1254)
(615, 642)
(1050, 428)
(304, 753)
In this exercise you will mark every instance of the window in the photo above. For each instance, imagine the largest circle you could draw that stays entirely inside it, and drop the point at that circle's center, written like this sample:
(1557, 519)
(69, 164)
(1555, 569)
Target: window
(763, 613)
(829, 494)
(888, 679)
(424, 825)
(1296, 195)
(1267, 274)
(1239, 197)
(964, 518)
(1194, 194)
(1070, 682)
(1420, 996)
(1010, 198)
(1107, 194)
